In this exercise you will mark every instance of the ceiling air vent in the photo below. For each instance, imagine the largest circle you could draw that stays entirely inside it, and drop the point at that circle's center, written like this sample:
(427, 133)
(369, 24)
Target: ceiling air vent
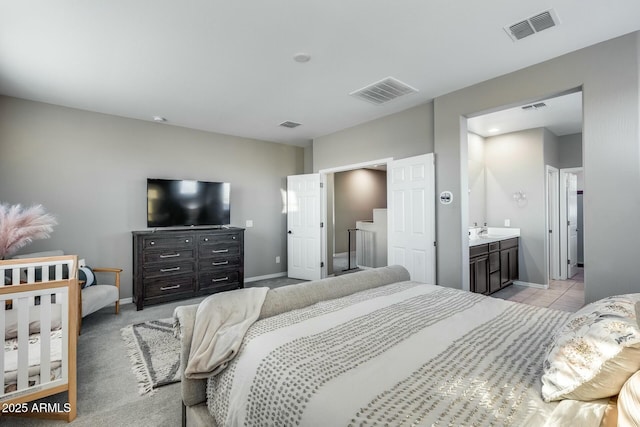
(532, 25)
(383, 91)
(289, 124)
(535, 106)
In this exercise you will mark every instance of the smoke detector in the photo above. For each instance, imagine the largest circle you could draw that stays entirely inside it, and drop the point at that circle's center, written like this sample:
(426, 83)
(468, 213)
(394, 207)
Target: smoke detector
(383, 91)
(532, 25)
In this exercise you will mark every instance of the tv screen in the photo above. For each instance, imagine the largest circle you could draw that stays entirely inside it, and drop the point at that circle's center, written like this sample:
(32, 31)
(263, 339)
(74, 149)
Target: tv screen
(173, 202)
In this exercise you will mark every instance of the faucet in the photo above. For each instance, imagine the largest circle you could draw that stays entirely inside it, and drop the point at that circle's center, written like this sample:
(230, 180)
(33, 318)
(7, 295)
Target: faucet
(483, 230)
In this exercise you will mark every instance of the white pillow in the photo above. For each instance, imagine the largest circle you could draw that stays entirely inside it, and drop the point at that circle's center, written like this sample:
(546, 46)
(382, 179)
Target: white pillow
(595, 352)
(629, 402)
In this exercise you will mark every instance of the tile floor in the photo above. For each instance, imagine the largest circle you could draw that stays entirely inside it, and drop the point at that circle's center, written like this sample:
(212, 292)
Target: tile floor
(565, 295)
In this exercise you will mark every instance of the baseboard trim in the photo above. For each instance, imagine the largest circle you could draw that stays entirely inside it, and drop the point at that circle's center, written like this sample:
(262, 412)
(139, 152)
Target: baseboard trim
(126, 300)
(530, 284)
(265, 277)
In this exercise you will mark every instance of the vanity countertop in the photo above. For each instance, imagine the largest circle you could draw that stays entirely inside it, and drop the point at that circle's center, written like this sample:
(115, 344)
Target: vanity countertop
(494, 234)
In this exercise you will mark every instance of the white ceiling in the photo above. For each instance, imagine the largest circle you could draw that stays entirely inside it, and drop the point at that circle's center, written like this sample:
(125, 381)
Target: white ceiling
(227, 66)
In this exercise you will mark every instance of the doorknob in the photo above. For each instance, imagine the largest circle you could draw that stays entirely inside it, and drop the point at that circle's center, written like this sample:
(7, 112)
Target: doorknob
(290, 232)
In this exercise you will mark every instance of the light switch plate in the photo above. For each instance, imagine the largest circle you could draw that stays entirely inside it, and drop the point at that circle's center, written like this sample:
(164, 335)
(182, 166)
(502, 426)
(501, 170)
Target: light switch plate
(249, 223)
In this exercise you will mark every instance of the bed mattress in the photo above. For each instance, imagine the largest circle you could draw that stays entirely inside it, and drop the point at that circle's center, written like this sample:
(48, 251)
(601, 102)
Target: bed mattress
(11, 360)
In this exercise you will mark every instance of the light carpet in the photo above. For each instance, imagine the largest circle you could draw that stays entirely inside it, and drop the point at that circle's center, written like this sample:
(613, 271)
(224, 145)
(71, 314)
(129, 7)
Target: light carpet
(154, 352)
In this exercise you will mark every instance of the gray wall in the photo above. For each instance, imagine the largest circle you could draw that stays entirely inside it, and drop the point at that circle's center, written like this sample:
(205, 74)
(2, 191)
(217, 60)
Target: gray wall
(356, 194)
(608, 75)
(405, 134)
(515, 162)
(90, 171)
(570, 150)
(477, 181)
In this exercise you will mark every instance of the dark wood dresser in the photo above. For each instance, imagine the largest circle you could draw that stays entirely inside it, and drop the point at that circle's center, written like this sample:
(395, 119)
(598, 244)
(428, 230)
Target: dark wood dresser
(177, 264)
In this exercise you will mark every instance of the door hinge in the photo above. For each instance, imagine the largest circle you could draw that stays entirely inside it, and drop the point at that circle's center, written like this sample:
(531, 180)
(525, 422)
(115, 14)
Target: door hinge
(568, 223)
(321, 224)
(434, 244)
(569, 261)
(321, 264)
(322, 185)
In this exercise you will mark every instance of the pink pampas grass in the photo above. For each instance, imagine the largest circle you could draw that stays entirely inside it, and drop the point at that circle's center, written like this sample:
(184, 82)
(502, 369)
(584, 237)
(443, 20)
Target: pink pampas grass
(19, 227)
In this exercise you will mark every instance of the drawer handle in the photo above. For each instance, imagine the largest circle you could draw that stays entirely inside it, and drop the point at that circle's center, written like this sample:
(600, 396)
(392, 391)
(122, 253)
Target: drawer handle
(167, 288)
(169, 256)
(152, 243)
(165, 270)
(206, 239)
(223, 279)
(186, 241)
(220, 251)
(220, 263)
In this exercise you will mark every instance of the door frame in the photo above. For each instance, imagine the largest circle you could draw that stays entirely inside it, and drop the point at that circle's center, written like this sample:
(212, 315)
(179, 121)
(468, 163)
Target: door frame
(564, 249)
(552, 187)
(323, 200)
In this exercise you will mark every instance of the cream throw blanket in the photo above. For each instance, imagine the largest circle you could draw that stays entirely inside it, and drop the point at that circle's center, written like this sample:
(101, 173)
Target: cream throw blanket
(221, 322)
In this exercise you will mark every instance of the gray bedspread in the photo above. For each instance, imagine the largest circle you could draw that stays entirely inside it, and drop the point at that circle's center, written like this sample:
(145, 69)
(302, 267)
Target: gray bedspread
(402, 354)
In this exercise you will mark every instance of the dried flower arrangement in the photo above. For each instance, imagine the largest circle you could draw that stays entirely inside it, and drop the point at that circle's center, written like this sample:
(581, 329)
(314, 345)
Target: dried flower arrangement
(19, 227)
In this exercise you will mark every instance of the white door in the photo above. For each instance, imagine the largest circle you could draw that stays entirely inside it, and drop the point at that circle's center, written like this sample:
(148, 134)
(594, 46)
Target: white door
(303, 227)
(411, 216)
(553, 238)
(572, 224)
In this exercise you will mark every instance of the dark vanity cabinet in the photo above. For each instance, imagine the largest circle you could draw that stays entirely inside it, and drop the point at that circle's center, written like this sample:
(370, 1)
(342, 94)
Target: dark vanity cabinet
(493, 266)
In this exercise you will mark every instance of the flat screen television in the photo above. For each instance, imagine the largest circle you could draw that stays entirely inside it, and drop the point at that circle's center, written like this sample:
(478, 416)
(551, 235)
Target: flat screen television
(172, 202)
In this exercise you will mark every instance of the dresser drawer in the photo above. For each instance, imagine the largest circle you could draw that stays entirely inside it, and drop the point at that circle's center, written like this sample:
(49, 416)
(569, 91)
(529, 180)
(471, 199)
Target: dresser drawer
(218, 249)
(178, 241)
(167, 269)
(163, 287)
(218, 263)
(167, 255)
(218, 238)
(215, 279)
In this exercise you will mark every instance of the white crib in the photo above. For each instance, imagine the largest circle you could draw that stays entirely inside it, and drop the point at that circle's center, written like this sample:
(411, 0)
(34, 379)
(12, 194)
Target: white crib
(38, 324)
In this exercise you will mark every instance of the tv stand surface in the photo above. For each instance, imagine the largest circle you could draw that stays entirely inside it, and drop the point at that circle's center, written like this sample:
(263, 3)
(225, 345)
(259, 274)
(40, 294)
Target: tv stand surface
(180, 263)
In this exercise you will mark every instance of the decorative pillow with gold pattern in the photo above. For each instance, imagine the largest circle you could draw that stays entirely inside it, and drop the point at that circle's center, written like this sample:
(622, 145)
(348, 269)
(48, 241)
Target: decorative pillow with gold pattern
(595, 351)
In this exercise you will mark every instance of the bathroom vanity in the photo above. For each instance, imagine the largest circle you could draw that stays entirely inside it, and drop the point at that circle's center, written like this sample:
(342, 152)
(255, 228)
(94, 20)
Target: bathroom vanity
(493, 259)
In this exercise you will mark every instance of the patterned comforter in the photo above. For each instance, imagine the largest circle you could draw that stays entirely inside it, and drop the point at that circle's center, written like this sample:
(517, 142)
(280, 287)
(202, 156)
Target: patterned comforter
(401, 354)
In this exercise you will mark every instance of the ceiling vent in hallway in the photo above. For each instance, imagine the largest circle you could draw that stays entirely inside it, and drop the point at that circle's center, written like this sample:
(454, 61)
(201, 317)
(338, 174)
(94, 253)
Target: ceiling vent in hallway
(535, 106)
(289, 124)
(532, 25)
(383, 91)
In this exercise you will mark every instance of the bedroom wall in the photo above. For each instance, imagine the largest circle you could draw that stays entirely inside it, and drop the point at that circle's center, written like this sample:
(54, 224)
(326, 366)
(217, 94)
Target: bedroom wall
(90, 171)
(608, 74)
(404, 134)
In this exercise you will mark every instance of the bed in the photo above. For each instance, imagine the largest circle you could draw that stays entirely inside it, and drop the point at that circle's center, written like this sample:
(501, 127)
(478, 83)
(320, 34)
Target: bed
(38, 323)
(374, 348)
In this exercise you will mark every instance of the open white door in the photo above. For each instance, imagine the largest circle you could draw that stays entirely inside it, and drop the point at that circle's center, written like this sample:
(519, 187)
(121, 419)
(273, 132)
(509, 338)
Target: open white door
(303, 227)
(572, 224)
(411, 216)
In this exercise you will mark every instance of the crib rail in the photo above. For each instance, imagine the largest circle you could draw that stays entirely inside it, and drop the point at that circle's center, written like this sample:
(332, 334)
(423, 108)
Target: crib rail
(40, 300)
